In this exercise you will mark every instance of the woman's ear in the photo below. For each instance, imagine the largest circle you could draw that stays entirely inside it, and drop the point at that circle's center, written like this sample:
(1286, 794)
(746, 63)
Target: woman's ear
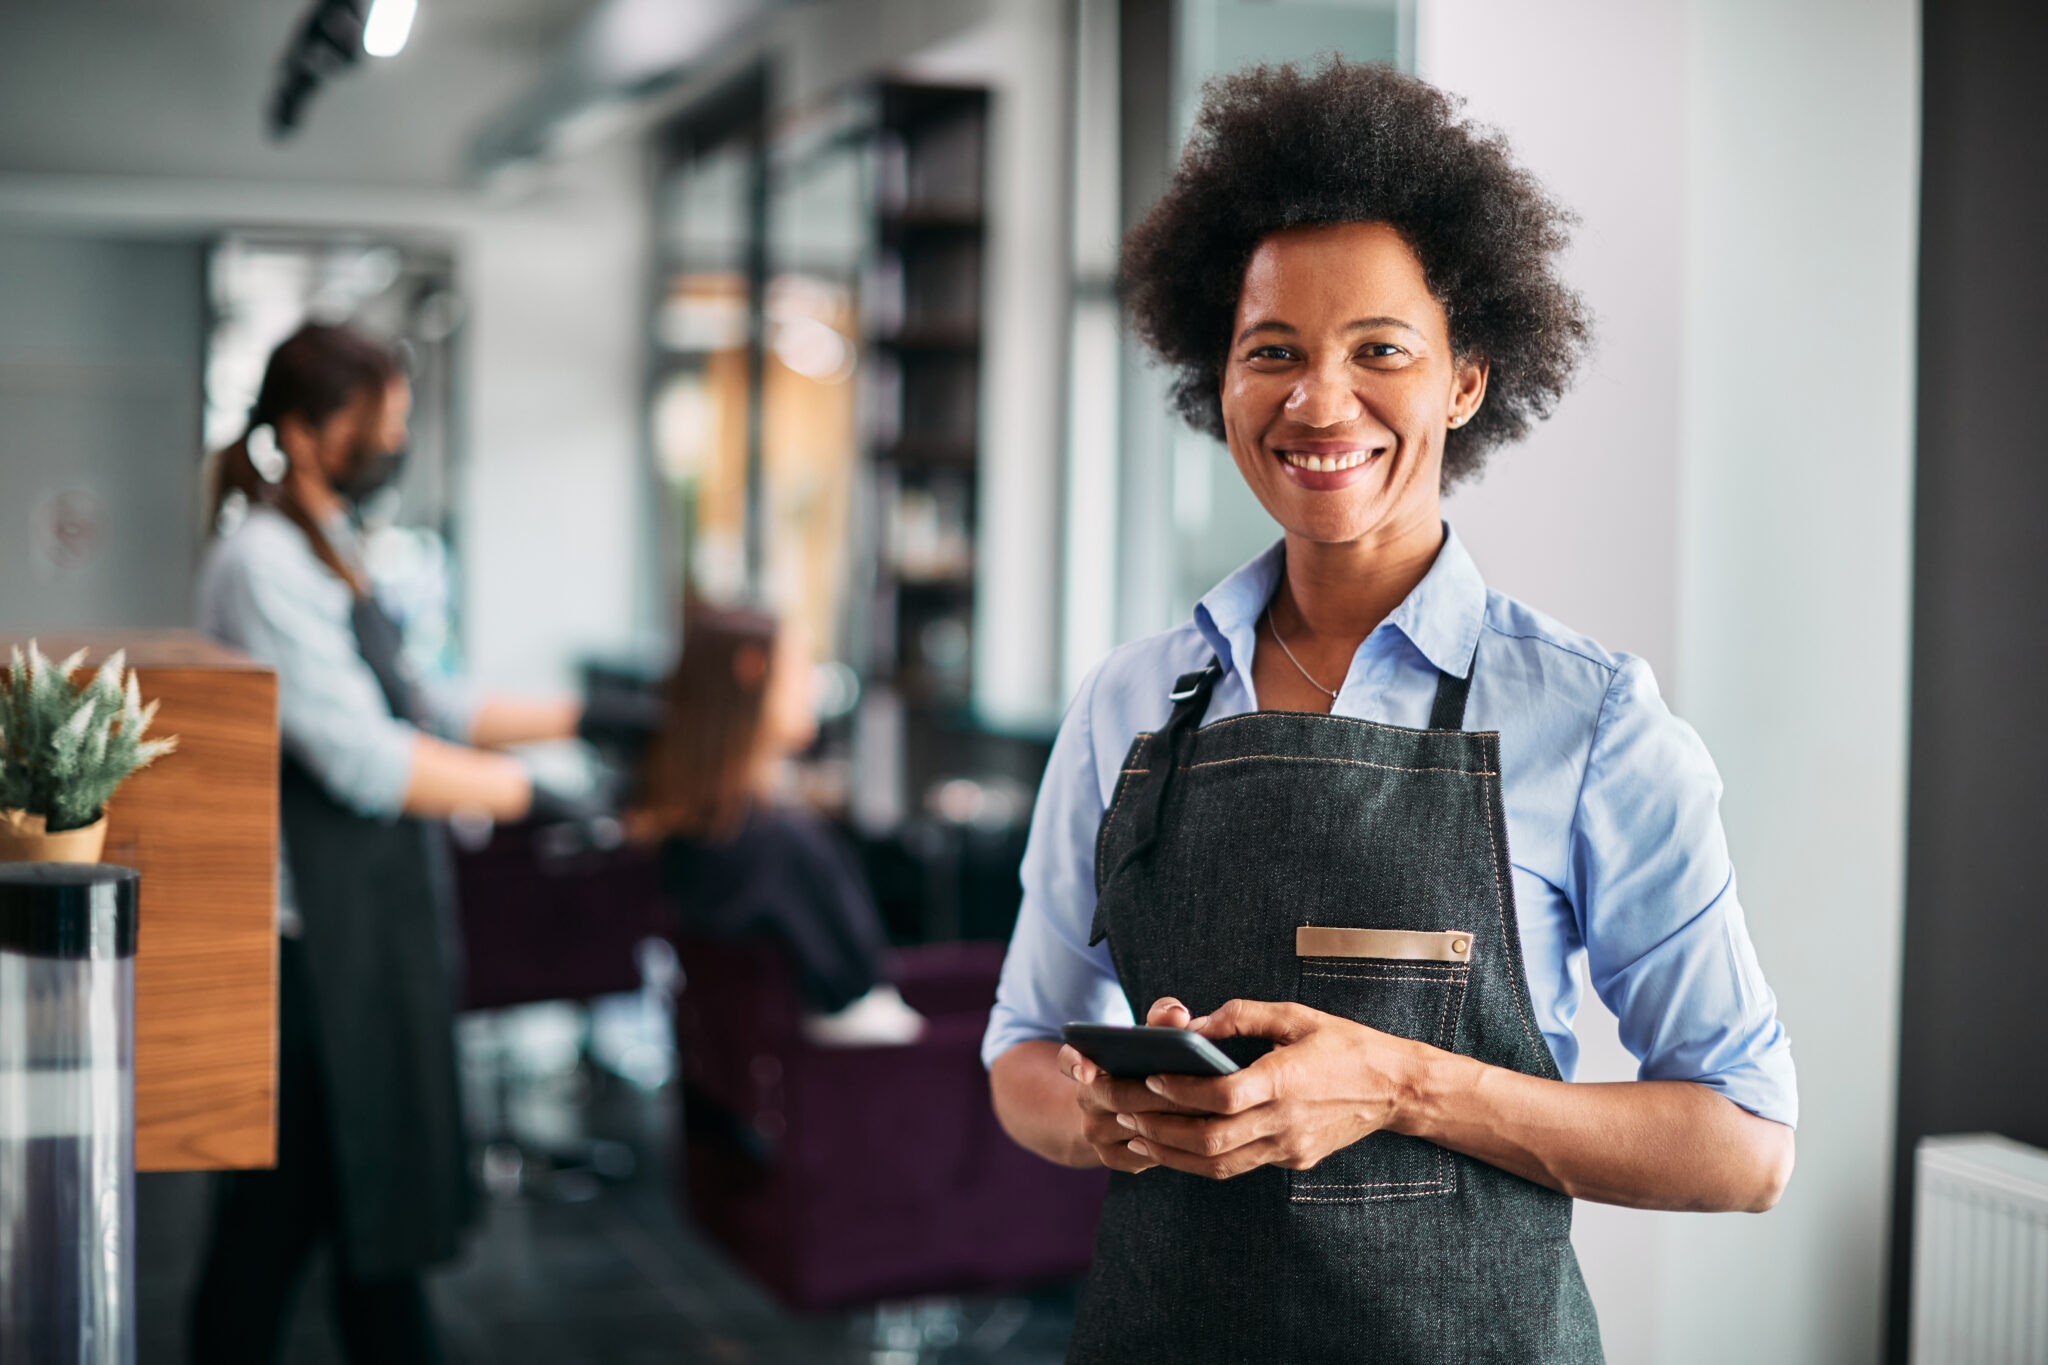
(1468, 390)
(298, 439)
(749, 666)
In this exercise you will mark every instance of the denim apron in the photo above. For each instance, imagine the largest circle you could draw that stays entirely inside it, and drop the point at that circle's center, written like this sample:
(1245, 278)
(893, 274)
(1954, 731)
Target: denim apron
(375, 905)
(1225, 849)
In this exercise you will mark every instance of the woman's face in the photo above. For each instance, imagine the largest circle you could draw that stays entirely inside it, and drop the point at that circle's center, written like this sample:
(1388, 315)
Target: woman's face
(356, 438)
(1340, 383)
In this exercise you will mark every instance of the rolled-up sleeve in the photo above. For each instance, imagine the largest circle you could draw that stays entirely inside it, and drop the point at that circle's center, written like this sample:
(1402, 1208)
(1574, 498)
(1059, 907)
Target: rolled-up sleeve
(332, 716)
(448, 706)
(1667, 947)
(1051, 974)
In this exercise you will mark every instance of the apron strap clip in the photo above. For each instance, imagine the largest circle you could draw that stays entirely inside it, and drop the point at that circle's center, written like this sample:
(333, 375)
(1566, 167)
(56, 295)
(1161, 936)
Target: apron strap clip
(1187, 684)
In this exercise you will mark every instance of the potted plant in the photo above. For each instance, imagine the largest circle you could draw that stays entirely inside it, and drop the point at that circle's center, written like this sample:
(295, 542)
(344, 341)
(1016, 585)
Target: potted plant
(63, 751)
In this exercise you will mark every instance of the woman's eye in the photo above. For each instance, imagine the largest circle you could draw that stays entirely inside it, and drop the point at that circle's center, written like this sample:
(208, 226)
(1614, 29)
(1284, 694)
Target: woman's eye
(1270, 353)
(1380, 350)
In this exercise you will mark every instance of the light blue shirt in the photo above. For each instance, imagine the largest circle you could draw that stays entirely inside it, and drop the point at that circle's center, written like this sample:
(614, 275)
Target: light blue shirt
(1614, 828)
(263, 591)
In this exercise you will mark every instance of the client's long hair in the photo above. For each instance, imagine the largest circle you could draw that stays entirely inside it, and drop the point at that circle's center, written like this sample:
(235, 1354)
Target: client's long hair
(697, 778)
(313, 374)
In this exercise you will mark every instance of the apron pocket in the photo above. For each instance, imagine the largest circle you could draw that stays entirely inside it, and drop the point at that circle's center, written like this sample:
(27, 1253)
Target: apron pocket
(1412, 998)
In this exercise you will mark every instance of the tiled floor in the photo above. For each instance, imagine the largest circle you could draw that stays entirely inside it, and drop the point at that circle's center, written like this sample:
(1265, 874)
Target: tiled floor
(570, 1268)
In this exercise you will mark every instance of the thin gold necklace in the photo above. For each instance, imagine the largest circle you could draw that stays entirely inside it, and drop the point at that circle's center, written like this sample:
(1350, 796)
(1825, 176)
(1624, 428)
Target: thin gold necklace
(1274, 626)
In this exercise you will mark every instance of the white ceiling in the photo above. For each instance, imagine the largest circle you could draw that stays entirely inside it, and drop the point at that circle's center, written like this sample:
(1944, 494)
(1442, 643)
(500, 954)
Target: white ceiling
(179, 88)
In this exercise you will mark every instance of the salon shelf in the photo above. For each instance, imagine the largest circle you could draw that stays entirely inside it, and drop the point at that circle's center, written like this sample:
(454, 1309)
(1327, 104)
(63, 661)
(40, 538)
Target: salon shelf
(961, 340)
(930, 452)
(933, 219)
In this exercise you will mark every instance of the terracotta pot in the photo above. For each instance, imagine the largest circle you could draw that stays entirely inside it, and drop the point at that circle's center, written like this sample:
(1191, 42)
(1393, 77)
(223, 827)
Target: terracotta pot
(22, 840)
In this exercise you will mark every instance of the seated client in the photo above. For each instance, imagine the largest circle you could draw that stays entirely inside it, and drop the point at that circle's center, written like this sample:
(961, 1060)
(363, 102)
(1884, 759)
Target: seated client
(738, 862)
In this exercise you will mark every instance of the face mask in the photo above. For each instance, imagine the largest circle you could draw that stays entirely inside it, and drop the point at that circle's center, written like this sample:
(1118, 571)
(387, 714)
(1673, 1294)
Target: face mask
(370, 472)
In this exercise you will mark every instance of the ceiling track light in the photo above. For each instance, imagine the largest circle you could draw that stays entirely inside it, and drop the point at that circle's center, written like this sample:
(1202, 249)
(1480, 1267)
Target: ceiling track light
(334, 35)
(387, 28)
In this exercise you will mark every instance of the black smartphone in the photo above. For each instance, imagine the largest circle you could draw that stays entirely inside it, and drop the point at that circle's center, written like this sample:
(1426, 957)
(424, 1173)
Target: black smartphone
(1131, 1052)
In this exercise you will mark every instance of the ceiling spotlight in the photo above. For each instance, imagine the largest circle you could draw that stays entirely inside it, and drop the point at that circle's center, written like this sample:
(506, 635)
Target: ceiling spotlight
(389, 24)
(334, 35)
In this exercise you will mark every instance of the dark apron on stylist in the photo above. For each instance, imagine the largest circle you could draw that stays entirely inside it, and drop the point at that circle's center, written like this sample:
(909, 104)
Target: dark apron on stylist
(1226, 846)
(372, 898)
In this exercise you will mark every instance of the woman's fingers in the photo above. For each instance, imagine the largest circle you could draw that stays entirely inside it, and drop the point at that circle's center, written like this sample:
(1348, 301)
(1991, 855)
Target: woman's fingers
(1076, 1067)
(1106, 1094)
(1232, 1094)
(1278, 1020)
(1201, 1135)
(1121, 1156)
(1167, 1012)
(1251, 1156)
(1111, 1141)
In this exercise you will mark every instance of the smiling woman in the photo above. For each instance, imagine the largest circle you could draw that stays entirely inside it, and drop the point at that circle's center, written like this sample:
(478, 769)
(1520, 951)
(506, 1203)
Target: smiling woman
(1302, 852)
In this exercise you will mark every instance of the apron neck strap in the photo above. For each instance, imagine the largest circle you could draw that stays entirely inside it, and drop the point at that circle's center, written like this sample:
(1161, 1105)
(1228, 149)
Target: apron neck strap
(1448, 711)
(1190, 698)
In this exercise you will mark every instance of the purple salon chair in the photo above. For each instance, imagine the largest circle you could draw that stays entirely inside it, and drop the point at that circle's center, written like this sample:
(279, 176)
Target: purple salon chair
(842, 1177)
(547, 914)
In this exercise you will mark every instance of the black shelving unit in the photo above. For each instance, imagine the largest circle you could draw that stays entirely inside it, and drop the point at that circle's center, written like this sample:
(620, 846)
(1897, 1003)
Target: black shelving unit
(924, 341)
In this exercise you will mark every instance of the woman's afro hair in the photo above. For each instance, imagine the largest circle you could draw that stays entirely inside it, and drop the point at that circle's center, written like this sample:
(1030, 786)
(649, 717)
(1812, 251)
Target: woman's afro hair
(1276, 148)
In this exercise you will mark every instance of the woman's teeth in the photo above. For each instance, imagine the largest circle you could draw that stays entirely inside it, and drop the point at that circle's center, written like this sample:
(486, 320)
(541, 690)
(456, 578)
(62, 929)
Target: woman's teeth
(1326, 464)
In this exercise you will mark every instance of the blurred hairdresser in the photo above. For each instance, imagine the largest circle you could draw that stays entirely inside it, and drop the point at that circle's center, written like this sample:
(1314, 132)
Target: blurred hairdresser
(739, 862)
(370, 1153)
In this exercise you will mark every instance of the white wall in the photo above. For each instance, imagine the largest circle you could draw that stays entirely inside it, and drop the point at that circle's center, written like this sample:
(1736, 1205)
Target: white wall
(1581, 520)
(100, 360)
(1726, 493)
(555, 482)
(1803, 144)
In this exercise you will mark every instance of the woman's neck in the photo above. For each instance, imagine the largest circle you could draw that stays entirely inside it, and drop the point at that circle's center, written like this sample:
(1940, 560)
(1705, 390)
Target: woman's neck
(314, 495)
(769, 780)
(1342, 592)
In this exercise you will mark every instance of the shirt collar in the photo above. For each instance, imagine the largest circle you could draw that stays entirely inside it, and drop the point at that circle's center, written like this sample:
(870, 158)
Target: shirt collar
(1441, 617)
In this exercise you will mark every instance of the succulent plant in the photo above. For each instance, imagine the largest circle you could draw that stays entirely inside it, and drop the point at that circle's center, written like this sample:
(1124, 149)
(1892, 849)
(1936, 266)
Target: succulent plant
(64, 749)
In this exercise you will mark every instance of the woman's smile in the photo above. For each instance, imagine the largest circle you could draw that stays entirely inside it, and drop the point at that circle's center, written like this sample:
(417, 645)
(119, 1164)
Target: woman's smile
(1325, 466)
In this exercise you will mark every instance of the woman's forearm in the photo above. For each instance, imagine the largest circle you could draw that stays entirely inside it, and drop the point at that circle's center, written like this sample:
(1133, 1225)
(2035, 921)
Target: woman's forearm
(513, 720)
(448, 778)
(1036, 1104)
(1642, 1144)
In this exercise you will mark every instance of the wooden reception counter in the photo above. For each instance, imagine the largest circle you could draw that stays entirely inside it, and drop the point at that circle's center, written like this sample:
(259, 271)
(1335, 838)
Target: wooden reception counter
(201, 828)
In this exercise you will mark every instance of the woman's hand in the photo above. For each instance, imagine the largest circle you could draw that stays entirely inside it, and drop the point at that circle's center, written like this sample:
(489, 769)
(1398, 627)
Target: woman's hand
(1327, 1083)
(1108, 1105)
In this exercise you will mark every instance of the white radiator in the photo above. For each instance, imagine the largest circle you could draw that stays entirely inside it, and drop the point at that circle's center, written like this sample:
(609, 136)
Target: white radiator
(1980, 1252)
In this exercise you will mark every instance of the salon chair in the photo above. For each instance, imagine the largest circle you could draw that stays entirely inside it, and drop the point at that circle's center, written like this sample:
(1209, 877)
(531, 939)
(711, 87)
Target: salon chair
(842, 1177)
(548, 911)
(554, 908)
(554, 912)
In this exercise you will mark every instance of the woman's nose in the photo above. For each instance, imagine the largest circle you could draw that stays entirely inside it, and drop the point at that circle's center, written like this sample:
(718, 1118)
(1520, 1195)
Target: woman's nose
(1323, 400)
